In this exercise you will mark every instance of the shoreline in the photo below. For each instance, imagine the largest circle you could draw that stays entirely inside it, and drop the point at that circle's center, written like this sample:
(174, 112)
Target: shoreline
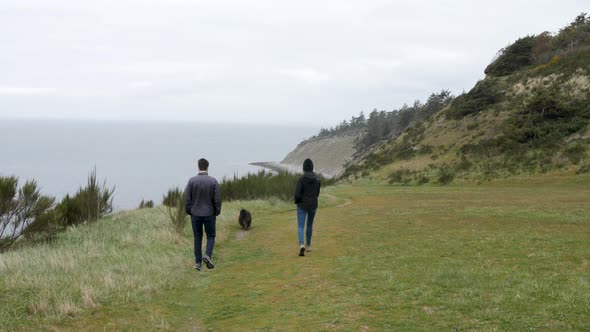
(289, 168)
(277, 167)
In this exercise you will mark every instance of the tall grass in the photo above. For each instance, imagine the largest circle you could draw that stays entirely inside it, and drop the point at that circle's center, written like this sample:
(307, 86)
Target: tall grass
(128, 257)
(261, 185)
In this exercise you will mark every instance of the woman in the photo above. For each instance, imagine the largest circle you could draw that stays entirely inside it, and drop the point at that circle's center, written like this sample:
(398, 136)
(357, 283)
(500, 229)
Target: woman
(306, 198)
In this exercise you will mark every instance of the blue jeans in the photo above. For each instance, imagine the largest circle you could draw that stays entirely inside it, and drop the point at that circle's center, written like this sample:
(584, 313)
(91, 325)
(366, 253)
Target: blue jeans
(198, 223)
(301, 214)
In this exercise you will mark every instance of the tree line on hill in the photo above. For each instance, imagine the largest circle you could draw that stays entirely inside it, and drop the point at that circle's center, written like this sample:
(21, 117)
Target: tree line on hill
(542, 48)
(380, 125)
(531, 50)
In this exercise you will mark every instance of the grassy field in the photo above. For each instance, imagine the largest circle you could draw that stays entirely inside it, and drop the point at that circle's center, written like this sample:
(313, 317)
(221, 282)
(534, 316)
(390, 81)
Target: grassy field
(505, 255)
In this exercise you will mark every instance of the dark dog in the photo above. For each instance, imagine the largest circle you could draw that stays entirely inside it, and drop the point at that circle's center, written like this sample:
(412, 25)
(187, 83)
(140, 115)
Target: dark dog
(245, 219)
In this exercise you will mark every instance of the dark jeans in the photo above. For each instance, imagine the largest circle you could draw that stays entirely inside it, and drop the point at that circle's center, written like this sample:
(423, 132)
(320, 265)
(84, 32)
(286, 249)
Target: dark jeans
(301, 216)
(198, 223)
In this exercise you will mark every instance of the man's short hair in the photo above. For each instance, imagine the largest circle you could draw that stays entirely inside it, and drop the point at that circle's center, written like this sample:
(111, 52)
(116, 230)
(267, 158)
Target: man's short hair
(203, 164)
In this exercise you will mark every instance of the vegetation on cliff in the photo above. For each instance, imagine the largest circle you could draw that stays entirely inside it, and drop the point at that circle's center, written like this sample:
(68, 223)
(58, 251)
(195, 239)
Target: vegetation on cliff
(531, 114)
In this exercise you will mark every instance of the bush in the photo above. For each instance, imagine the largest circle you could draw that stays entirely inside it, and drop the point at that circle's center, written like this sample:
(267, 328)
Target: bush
(45, 227)
(261, 185)
(89, 204)
(403, 176)
(69, 211)
(583, 169)
(512, 58)
(172, 197)
(574, 35)
(463, 165)
(575, 153)
(19, 208)
(546, 118)
(177, 215)
(146, 204)
(422, 179)
(95, 200)
(446, 174)
(483, 94)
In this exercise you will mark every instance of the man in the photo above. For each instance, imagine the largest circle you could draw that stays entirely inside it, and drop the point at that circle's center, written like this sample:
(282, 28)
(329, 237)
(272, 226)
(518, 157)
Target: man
(202, 198)
(306, 198)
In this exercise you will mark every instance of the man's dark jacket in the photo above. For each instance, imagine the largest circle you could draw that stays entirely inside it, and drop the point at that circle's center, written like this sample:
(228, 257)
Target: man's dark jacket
(307, 191)
(202, 196)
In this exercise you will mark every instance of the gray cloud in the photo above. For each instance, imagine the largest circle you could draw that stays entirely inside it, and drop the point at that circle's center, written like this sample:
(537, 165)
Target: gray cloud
(249, 61)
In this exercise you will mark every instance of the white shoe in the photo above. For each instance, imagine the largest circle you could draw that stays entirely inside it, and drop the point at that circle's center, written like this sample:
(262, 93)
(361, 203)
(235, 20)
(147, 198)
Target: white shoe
(302, 250)
(308, 248)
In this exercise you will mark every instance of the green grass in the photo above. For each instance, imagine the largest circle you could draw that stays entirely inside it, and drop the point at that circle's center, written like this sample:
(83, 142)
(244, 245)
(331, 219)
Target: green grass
(508, 255)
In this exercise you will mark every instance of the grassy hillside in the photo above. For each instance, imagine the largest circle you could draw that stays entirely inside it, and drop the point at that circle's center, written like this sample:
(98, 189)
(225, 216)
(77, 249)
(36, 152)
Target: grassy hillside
(530, 115)
(509, 255)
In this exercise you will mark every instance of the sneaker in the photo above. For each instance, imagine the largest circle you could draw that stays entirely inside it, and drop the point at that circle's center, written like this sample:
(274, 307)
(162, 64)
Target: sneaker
(208, 261)
(198, 266)
(307, 248)
(302, 250)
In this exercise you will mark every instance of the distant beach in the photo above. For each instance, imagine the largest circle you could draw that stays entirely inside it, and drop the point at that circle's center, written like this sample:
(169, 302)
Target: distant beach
(278, 167)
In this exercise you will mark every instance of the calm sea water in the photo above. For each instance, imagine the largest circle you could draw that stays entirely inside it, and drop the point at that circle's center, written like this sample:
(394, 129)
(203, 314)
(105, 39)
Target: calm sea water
(142, 160)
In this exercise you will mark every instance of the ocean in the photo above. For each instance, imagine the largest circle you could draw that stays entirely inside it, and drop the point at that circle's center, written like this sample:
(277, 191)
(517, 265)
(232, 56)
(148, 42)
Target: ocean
(141, 160)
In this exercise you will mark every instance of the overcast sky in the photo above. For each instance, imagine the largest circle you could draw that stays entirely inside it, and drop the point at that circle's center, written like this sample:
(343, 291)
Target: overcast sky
(283, 62)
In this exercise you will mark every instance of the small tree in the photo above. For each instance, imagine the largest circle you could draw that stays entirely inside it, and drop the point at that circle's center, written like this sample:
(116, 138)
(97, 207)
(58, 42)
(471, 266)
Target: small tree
(19, 208)
(177, 215)
(446, 174)
(172, 197)
(95, 200)
(89, 204)
(146, 204)
(542, 50)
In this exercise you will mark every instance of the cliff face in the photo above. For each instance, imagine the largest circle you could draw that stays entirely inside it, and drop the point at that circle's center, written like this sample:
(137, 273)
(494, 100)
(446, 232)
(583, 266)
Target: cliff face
(328, 154)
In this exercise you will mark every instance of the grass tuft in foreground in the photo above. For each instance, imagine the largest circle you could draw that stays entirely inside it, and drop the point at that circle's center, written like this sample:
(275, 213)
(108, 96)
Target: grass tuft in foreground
(129, 257)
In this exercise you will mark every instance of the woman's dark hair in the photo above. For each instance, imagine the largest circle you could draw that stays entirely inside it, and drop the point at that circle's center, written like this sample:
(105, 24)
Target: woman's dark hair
(203, 164)
(308, 165)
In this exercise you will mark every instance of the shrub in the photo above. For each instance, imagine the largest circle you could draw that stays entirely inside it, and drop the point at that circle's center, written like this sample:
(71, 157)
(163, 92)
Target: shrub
(172, 197)
(575, 153)
(69, 211)
(264, 184)
(45, 227)
(463, 165)
(446, 174)
(547, 117)
(177, 215)
(403, 176)
(512, 58)
(574, 35)
(352, 170)
(426, 149)
(19, 208)
(483, 94)
(583, 169)
(94, 200)
(89, 204)
(146, 204)
(422, 179)
(541, 50)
